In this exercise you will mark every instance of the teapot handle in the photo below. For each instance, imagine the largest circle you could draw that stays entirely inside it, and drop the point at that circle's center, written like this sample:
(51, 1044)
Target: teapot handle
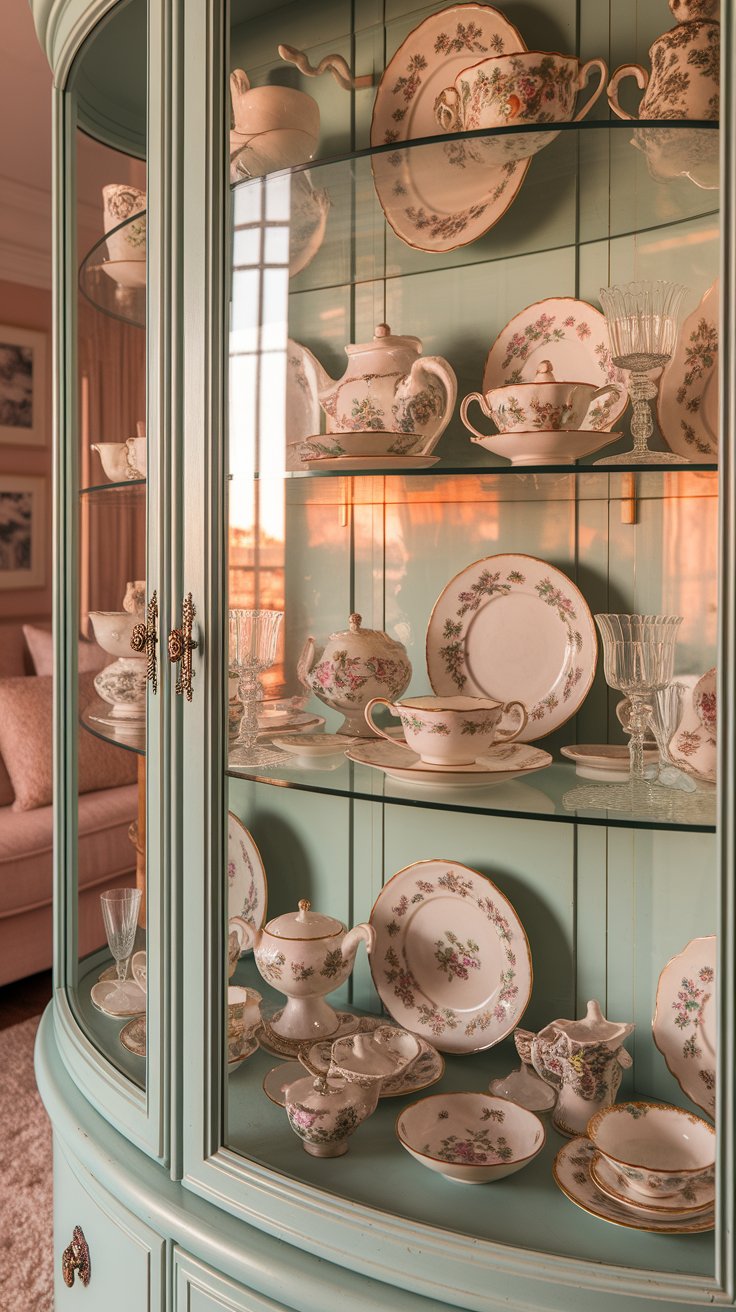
(479, 397)
(626, 70)
(305, 662)
(434, 364)
(624, 1058)
(607, 390)
(584, 78)
(383, 701)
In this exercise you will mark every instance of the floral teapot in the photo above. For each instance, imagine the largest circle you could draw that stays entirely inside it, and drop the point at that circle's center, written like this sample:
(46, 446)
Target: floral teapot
(304, 955)
(583, 1060)
(356, 665)
(389, 387)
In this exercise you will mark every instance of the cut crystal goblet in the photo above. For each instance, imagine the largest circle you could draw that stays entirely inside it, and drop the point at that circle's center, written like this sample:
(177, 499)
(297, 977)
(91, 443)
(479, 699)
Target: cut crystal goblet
(642, 322)
(638, 659)
(253, 640)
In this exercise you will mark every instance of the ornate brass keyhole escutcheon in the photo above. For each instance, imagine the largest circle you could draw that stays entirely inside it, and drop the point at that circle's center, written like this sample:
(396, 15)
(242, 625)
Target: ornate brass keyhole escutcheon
(181, 646)
(76, 1258)
(144, 639)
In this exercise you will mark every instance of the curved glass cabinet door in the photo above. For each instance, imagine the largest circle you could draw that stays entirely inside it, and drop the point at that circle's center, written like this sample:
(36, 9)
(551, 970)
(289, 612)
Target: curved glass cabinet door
(108, 585)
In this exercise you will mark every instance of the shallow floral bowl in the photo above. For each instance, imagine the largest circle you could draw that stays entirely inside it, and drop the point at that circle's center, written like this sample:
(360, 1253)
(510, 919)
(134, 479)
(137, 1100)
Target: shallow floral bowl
(662, 1151)
(471, 1138)
(113, 630)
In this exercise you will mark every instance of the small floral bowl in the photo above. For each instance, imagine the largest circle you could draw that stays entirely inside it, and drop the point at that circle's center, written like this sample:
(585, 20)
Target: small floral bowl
(471, 1138)
(663, 1152)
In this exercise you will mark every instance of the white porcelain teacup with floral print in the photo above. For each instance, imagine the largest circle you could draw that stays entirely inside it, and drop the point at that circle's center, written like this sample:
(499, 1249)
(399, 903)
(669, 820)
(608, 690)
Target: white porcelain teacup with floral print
(684, 81)
(534, 86)
(663, 1152)
(451, 731)
(545, 405)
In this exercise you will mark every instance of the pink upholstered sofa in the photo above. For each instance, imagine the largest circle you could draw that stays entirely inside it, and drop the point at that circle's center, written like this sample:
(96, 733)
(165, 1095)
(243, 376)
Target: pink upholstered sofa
(106, 856)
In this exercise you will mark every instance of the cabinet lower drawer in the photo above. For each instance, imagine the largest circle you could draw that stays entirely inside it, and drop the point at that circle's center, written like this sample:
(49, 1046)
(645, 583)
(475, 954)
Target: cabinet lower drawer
(197, 1288)
(126, 1258)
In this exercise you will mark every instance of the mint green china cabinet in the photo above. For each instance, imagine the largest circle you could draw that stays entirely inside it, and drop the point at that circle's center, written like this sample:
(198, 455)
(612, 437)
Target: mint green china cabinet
(180, 1176)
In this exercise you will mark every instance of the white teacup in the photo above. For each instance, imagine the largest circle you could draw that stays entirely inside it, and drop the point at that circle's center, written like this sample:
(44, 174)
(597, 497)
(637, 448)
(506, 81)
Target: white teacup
(121, 202)
(243, 1009)
(450, 730)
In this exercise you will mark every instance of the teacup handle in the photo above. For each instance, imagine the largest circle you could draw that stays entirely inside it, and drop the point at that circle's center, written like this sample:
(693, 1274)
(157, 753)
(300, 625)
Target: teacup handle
(508, 736)
(479, 397)
(245, 932)
(626, 70)
(602, 391)
(383, 701)
(584, 78)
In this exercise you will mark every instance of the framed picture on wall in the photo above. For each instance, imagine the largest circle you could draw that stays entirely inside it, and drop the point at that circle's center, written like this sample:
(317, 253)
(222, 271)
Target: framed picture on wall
(22, 531)
(22, 386)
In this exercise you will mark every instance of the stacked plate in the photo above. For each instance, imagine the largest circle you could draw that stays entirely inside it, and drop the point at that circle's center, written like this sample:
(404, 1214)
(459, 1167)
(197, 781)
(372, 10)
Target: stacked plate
(589, 1181)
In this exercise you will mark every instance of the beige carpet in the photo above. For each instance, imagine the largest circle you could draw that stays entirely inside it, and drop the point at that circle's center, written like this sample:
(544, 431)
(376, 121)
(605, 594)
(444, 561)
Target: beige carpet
(26, 1211)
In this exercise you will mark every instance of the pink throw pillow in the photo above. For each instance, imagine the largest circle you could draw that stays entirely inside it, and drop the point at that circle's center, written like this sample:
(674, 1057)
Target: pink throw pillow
(40, 643)
(25, 744)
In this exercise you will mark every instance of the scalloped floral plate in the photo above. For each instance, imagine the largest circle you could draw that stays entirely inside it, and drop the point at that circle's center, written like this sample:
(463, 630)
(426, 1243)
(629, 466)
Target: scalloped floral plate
(441, 196)
(247, 889)
(687, 400)
(684, 1024)
(451, 961)
(512, 627)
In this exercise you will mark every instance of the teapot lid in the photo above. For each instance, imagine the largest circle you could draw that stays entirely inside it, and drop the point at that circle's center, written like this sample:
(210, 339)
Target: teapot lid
(384, 339)
(355, 630)
(304, 923)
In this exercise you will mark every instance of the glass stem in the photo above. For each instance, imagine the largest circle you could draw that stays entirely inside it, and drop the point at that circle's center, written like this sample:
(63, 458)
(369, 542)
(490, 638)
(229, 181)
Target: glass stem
(642, 391)
(248, 689)
(122, 969)
(637, 727)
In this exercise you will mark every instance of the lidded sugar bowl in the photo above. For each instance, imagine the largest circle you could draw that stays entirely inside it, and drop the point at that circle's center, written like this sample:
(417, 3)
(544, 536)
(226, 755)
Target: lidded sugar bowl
(305, 955)
(355, 666)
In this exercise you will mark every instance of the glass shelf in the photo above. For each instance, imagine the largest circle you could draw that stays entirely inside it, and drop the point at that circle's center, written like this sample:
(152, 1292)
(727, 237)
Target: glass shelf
(117, 287)
(452, 469)
(131, 739)
(135, 487)
(545, 794)
(394, 211)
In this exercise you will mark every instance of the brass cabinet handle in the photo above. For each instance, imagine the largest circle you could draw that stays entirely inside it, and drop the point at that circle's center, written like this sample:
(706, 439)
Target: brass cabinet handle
(181, 646)
(76, 1258)
(144, 638)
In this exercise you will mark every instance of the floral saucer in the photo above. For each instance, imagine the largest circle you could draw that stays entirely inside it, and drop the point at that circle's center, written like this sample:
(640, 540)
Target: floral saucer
(687, 400)
(545, 447)
(133, 1036)
(247, 894)
(426, 1069)
(607, 762)
(684, 1024)
(312, 744)
(132, 1002)
(497, 766)
(356, 464)
(451, 962)
(279, 1046)
(571, 1171)
(512, 627)
(614, 1184)
(240, 1044)
(572, 334)
(440, 196)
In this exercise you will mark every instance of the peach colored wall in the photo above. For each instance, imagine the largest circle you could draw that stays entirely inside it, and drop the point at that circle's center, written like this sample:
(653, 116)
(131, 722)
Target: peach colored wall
(29, 307)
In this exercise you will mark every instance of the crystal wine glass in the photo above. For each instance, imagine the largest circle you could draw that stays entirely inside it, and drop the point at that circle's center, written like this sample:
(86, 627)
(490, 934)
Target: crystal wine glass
(638, 658)
(253, 639)
(120, 907)
(642, 322)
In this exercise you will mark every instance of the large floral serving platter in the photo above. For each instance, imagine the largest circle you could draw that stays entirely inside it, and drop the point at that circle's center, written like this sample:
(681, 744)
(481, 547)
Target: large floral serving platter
(571, 1170)
(498, 766)
(573, 336)
(513, 627)
(684, 1025)
(441, 196)
(687, 400)
(451, 962)
(247, 890)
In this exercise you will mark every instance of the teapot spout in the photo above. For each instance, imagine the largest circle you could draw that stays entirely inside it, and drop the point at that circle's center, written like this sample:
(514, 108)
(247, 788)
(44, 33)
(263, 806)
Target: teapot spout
(361, 934)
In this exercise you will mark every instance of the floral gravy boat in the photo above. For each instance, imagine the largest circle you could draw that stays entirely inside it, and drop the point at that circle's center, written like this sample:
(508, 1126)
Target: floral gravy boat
(356, 665)
(583, 1060)
(304, 955)
(389, 387)
(684, 81)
